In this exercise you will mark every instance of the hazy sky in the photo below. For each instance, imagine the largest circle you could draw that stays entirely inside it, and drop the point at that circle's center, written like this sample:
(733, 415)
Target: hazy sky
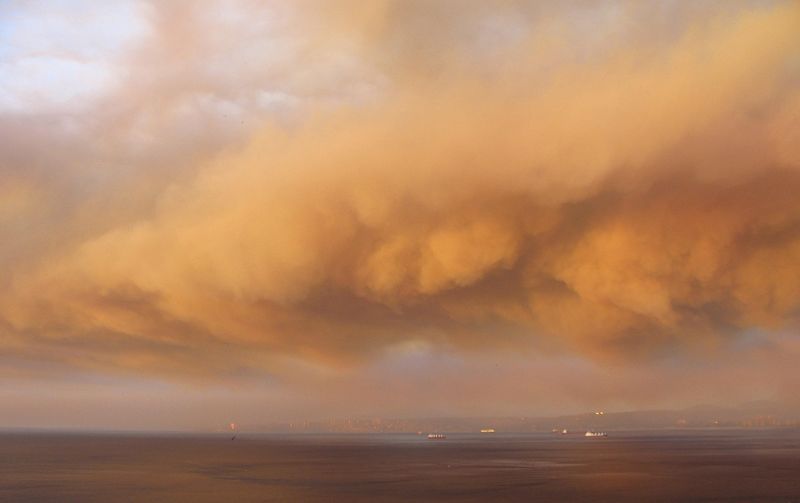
(257, 211)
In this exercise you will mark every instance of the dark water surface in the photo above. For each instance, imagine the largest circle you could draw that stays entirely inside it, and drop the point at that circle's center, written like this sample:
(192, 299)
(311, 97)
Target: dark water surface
(714, 465)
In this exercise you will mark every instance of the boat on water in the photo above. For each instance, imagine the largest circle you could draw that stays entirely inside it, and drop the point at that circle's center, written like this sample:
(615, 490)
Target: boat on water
(596, 434)
(487, 430)
(436, 436)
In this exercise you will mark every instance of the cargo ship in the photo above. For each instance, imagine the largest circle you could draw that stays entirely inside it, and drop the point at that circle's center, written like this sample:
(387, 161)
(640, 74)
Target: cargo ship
(436, 436)
(596, 434)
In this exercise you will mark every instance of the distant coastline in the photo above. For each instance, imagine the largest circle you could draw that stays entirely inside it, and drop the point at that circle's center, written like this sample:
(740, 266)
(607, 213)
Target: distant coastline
(755, 415)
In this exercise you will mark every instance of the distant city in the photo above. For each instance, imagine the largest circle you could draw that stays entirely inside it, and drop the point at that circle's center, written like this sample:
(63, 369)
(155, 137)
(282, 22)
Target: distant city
(755, 415)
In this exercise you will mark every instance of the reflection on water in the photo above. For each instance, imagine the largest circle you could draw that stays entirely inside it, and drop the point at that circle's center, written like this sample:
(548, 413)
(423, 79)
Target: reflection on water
(731, 465)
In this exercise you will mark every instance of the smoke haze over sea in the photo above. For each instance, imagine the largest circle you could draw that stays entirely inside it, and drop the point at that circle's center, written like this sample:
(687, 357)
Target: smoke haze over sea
(264, 211)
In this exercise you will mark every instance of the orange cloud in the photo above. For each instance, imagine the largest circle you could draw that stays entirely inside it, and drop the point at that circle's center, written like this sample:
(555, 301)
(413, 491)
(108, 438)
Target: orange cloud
(495, 192)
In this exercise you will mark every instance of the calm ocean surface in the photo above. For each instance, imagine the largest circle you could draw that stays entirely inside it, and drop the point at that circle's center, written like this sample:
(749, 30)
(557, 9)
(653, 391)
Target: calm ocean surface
(713, 465)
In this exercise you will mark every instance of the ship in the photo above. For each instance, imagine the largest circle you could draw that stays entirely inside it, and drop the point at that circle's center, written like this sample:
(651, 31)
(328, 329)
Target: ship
(487, 430)
(436, 436)
(596, 434)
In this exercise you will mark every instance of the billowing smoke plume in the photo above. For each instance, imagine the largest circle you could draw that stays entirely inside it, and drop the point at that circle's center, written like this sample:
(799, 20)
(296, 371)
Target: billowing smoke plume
(605, 179)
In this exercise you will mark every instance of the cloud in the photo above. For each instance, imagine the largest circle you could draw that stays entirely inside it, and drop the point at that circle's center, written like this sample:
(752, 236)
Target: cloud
(507, 182)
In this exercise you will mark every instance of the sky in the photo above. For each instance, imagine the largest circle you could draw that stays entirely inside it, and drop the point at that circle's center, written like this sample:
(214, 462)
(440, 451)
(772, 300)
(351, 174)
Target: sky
(264, 211)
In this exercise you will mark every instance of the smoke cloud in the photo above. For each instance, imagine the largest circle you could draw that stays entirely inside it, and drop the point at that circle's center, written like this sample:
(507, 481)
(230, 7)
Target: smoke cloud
(325, 183)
